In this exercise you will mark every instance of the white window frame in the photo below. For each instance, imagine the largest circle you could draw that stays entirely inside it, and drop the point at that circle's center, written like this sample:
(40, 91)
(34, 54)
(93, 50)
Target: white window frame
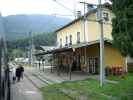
(60, 42)
(105, 16)
(70, 39)
(78, 37)
(66, 44)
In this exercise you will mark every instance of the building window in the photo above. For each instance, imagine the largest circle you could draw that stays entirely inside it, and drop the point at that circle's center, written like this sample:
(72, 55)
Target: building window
(97, 15)
(105, 16)
(70, 40)
(60, 42)
(66, 41)
(78, 37)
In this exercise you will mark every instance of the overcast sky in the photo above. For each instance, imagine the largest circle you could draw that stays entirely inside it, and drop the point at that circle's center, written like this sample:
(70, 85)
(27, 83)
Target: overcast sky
(12, 7)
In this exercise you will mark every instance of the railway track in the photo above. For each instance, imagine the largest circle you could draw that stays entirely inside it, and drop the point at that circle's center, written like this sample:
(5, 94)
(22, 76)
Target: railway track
(44, 81)
(37, 82)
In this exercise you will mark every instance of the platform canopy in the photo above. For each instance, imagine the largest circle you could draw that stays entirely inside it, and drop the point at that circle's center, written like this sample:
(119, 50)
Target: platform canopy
(71, 48)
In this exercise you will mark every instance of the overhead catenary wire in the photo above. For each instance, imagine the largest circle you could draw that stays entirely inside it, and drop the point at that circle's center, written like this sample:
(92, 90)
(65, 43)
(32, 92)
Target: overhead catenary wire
(72, 11)
(64, 6)
(60, 15)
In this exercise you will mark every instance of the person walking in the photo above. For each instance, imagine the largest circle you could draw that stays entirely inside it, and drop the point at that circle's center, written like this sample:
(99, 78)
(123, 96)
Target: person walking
(22, 71)
(18, 73)
(14, 74)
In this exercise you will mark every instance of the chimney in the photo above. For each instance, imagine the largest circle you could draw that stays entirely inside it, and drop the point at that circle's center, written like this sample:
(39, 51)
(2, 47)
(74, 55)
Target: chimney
(78, 14)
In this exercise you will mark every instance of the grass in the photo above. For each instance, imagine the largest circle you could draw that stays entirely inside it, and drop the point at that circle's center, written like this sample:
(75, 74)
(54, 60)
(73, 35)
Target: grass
(90, 90)
(116, 78)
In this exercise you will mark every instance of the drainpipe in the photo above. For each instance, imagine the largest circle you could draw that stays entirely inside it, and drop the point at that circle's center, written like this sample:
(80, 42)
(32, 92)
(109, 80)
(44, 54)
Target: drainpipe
(85, 32)
(86, 37)
(126, 65)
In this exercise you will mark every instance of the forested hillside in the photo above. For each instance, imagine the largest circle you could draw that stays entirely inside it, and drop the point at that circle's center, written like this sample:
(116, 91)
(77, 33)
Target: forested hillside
(21, 46)
(41, 39)
(19, 26)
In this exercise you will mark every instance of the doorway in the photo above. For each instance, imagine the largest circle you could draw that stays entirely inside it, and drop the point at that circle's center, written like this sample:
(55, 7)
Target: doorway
(93, 65)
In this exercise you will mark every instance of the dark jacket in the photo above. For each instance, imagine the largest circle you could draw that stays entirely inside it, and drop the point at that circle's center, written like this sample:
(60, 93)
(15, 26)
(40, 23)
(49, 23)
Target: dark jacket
(18, 72)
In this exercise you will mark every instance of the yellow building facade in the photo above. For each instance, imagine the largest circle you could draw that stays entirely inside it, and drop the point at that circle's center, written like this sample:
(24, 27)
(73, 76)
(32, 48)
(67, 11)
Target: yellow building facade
(83, 36)
(92, 30)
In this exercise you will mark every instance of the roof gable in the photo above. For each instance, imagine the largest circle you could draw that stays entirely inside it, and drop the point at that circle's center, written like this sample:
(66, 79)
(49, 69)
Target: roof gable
(105, 5)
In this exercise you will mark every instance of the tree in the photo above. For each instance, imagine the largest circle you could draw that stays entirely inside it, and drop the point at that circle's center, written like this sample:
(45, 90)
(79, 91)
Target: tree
(123, 26)
(18, 48)
(17, 53)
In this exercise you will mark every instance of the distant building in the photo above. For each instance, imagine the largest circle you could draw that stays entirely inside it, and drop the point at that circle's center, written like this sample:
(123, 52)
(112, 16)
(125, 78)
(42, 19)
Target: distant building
(41, 49)
(40, 58)
(22, 60)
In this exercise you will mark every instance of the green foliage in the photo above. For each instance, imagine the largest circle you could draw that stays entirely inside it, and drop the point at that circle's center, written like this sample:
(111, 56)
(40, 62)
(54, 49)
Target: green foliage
(45, 39)
(17, 48)
(17, 29)
(17, 53)
(123, 26)
(90, 89)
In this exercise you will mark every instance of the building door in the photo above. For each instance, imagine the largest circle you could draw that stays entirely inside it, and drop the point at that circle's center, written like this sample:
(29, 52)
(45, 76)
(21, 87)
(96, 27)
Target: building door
(78, 63)
(93, 65)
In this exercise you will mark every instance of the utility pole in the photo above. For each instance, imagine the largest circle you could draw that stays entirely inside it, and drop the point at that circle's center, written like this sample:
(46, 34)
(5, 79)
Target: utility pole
(0, 65)
(74, 2)
(100, 20)
(102, 66)
(30, 48)
(84, 3)
(85, 27)
(85, 19)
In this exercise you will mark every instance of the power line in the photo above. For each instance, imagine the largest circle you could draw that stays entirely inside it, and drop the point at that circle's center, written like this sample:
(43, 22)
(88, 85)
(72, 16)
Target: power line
(64, 6)
(60, 15)
(72, 11)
